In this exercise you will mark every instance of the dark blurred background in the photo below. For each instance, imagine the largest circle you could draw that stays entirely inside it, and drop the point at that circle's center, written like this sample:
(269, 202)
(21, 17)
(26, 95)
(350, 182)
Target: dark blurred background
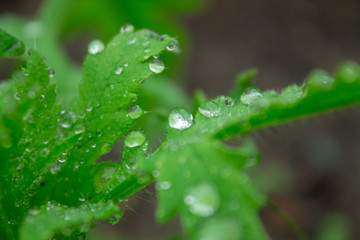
(310, 168)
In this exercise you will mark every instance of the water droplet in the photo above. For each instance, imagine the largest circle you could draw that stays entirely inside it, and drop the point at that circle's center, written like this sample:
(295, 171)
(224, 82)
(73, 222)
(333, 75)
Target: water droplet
(67, 119)
(180, 118)
(132, 41)
(127, 28)
(250, 95)
(118, 70)
(156, 56)
(79, 128)
(89, 107)
(95, 47)
(135, 112)
(209, 109)
(44, 152)
(202, 199)
(134, 139)
(165, 185)
(156, 66)
(54, 167)
(98, 133)
(320, 78)
(155, 173)
(228, 101)
(51, 72)
(172, 46)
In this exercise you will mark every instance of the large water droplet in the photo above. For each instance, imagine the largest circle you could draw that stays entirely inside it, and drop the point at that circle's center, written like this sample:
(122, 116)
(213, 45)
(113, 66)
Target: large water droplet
(95, 47)
(118, 70)
(135, 112)
(209, 109)
(127, 28)
(180, 118)
(250, 95)
(156, 66)
(202, 199)
(134, 139)
(320, 78)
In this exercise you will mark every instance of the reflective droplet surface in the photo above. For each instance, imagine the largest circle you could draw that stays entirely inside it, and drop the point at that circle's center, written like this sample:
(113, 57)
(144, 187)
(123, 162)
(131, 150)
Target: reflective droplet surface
(134, 139)
(165, 185)
(118, 70)
(172, 46)
(320, 78)
(135, 112)
(209, 109)
(156, 66)
(250, 95)
(51, 72)
(79, 128)
(228, 101)
(127, 28)
(180, 118)
(95, 47)
(202, 199)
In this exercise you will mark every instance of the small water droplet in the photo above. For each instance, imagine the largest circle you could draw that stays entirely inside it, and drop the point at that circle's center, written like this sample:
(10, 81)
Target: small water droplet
(51, 72)
(135, 112)
(202, 199)
(156, 56)
(228, 101)
(54, 167)
(180, 118)
(132, 41)
(155, 173)
(118, 70)
(98, 133)
(127, 28)
(249, 95)
(156, 66)
(165, 185)
(89, 107)
(44, 152)
(172, 46)
(79, 128)
(134, 139)
(95, 47)
(209, 109)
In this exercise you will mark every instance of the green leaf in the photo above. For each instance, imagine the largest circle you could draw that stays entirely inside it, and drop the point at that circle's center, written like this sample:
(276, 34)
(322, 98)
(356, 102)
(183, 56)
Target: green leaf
(10, 46)
(204, 180)
(52, 218)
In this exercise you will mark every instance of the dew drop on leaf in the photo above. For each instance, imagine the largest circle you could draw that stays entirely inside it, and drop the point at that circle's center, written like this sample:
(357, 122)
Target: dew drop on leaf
(134, 139)
(249, 95)
(51, 72)
(228, 101)
(79, 128)
(118, 70)
(95, 47)
(180, 118)
(165, 185)
(127, 28)
(135, 112)
(202, 199)
(209, 109)
(44, 152)
(172, 46)
(156, 66)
